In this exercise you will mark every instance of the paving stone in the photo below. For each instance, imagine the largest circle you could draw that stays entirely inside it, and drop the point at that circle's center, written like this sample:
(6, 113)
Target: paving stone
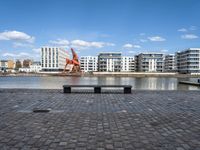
(63, 143)
(109, 146)
(100, 148)
(143, 120)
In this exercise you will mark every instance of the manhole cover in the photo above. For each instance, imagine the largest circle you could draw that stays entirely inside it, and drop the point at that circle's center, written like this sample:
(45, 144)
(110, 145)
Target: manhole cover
(41, 110)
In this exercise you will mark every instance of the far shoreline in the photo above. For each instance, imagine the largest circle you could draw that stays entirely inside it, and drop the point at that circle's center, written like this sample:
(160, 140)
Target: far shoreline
(103, 74)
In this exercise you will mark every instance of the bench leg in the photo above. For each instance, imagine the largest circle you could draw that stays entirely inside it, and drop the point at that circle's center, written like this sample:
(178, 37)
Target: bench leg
(127, 90)
(67, 90)
(97, 89)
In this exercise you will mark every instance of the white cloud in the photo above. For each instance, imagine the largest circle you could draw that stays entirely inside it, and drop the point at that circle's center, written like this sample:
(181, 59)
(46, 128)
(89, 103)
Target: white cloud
(9, 55)
(193, 28)
(182, 30)
(79, 44)
(142, 34)
(16, 55)
(128, 45)
(164, 50)
(21, 55)
(18, 44)
(84, 44)
(60, 42)
(109, 44)
(24, 54)
(156, 39)
(37, 50)
(143, 40)
(136, 46)
(131, 52)
(16, 36)
(189, 36)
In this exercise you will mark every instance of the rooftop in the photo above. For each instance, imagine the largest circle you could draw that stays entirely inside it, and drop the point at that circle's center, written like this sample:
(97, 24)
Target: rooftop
(110, 53)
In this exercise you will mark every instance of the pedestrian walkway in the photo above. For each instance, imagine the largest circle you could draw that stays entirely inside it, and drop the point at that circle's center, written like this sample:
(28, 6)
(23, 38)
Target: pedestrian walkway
(143, 120)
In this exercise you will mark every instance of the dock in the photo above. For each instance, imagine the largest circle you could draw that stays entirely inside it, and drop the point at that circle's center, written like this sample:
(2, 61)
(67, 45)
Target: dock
(190, 83)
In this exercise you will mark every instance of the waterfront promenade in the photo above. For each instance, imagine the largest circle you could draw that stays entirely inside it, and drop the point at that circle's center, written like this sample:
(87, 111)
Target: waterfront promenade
(143, 120)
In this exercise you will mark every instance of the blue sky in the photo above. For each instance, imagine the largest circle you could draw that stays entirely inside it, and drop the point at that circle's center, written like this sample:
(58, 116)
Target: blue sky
(93, 26)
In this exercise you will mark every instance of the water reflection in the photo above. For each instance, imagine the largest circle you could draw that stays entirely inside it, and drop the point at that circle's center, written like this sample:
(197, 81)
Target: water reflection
(147, 83)
(156, 83)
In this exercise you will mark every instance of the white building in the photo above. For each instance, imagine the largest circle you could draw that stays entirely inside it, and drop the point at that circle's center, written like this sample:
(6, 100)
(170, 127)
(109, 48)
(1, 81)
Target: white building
(36, 67)
(27, 70)
(169, 63)
(127, 64)
(150, 62)
(89, 63)
(109, 62)
(188, 61)
(53, 58)
(3, 65)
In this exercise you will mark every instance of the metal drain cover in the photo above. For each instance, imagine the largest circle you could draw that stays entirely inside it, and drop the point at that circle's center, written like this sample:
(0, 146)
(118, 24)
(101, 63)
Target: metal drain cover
(36, 110)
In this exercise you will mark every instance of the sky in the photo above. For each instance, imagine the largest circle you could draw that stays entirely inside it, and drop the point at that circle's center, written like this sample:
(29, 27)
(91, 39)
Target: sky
(93, 26)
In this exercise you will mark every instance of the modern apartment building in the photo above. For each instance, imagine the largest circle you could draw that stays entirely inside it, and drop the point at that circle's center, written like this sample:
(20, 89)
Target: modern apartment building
(11, 64)
(3, 65)
(188, 61)
(169, 63)
(53, 58)
(89, 63)
(35, 67)
(136, 63)
(150, 62)
(26, 63)
(109, 62)
(127, 64)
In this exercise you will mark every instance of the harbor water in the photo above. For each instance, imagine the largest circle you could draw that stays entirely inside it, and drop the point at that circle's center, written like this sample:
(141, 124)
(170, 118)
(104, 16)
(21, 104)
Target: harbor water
(145, 83)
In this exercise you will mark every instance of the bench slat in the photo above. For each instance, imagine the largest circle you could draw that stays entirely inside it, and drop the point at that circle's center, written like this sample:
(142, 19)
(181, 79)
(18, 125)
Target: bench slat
(97, 88)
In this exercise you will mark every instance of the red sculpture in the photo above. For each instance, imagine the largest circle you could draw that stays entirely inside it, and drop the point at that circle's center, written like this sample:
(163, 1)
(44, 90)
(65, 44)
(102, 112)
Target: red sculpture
(74, 62)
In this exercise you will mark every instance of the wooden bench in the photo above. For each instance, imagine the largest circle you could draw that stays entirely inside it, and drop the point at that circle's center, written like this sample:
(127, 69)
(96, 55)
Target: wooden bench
(97, 88)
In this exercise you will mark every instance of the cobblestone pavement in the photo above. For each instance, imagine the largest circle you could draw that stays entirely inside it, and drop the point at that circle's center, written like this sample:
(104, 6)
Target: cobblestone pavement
(143, 120)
